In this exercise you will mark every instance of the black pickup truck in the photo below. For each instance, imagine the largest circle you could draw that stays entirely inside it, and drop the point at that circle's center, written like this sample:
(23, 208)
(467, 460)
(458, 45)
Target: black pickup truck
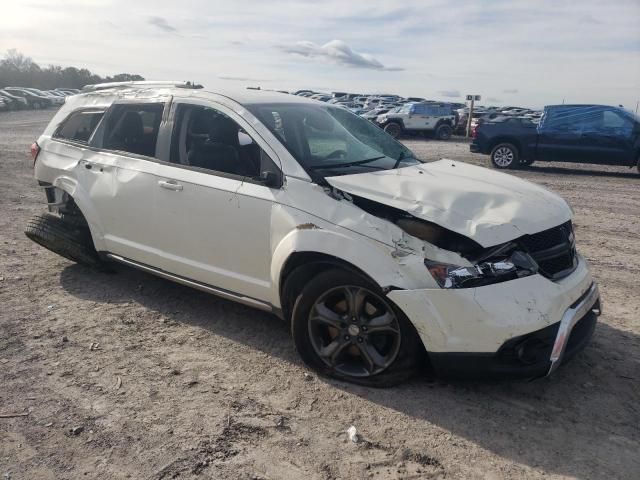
(566, 133)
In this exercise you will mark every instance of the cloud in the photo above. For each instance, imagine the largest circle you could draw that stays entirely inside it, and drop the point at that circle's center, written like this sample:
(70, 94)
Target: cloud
(450, 93)
(162, 24)
(241, 79)
(493, 100)
(337, 52)
(510, 90)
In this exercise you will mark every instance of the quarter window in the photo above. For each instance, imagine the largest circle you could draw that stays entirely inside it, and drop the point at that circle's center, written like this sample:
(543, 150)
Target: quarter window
(79, 126)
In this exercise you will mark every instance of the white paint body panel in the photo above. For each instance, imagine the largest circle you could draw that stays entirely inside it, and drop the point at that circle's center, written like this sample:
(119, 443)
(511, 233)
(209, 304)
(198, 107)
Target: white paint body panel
(488, 206)
(237, 236)
(482, 319)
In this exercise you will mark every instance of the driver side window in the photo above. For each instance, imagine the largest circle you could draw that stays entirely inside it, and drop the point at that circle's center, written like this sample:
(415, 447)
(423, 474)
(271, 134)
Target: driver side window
(206, 138)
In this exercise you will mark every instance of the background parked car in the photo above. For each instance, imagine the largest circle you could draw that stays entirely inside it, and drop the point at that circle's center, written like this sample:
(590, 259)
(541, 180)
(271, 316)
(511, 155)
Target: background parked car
(432, 118)
(34, 100)
(14, 102)
(598, 134)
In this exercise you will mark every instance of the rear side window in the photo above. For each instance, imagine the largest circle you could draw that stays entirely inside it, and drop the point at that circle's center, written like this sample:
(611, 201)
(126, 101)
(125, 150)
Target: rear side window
(134, 128)
(79, 126)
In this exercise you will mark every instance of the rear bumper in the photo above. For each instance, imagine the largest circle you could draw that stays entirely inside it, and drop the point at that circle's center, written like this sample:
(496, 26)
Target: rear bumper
(475, 148)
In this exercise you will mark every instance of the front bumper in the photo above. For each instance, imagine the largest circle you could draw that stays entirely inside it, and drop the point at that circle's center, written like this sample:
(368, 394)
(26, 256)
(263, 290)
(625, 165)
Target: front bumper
(523, 328)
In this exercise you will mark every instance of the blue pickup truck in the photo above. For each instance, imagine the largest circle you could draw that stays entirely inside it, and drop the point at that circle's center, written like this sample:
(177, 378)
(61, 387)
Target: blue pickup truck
(566, 133)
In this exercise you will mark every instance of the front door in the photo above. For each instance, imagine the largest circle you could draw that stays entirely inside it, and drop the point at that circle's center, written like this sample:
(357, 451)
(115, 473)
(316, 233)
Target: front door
(419, 118)
(214, 212)
(608, 138)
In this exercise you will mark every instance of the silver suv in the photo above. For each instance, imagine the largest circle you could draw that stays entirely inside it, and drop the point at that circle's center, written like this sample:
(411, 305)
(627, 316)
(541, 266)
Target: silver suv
(430, 118)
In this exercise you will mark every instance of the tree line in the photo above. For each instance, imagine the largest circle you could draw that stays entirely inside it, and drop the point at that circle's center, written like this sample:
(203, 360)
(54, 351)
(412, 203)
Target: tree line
(18, 70)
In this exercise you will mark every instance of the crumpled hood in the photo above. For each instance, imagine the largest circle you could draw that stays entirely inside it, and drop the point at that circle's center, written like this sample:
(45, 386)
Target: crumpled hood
(488, 206)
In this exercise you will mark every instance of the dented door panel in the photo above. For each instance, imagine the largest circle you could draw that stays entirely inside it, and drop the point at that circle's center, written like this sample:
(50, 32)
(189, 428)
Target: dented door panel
(123, 191)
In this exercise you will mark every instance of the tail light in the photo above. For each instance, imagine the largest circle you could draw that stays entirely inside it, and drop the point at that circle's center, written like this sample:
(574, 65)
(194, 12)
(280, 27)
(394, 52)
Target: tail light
(474, 132)
(35, 150)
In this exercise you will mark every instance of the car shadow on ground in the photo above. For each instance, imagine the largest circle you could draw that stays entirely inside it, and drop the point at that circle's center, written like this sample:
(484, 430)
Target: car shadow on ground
(587, 412)
(588, 172)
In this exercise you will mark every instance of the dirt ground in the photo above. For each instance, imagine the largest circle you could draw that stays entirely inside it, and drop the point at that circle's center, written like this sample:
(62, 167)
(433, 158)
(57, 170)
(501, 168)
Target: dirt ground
(129, 376)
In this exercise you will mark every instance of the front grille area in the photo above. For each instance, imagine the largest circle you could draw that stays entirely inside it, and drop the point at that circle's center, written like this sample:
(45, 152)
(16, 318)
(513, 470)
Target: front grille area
(554, 250)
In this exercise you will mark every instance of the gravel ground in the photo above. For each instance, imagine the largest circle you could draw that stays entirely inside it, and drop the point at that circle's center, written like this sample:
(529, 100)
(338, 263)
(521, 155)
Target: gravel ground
(129, 376)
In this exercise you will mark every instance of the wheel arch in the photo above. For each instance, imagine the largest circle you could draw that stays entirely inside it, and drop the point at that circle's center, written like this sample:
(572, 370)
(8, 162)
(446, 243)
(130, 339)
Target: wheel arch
(505, 139)
(397, 121)
(311, 250)
(444, 121)
(81, 198)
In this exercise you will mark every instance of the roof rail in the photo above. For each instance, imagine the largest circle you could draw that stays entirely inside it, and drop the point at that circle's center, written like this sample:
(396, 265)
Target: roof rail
(142, 84)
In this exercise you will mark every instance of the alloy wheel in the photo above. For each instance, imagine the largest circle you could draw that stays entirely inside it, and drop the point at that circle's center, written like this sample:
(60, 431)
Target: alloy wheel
(503, 157)
(354, 331)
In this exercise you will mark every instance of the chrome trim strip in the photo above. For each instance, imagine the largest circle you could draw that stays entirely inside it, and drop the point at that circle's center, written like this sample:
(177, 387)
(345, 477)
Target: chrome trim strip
(252, 302)
(571, 316)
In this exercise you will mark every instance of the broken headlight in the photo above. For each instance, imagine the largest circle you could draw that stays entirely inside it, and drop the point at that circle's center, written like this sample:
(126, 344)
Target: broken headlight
(486, 272)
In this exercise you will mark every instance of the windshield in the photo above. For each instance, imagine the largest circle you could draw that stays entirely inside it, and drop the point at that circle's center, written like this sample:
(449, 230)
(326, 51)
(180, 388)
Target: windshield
(329, 141)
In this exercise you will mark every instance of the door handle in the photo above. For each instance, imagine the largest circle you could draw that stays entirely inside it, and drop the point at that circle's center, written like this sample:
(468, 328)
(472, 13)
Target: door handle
(170, 185)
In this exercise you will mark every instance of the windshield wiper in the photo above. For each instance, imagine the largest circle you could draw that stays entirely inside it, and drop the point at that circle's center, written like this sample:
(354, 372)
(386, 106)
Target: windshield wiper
(401, 157)
(349, 164)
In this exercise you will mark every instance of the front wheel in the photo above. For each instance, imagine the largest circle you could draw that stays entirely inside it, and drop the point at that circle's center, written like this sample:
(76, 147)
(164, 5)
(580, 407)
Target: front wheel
(504, 155)
(443, 132)
(343, 326)
(393, 129)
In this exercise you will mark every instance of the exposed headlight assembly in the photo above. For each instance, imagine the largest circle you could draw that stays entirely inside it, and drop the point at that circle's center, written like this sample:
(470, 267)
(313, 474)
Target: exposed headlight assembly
(518, 264)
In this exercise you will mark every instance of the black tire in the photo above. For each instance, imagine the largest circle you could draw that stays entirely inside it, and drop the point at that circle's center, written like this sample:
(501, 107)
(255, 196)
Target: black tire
(638, 164)
(443, 132)
(396, 344)
(71, 242)
(394, 129)
(505, 155)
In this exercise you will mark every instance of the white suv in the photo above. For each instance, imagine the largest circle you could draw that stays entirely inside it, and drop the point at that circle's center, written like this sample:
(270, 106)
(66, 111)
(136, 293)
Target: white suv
(378, 261)
(430, 118)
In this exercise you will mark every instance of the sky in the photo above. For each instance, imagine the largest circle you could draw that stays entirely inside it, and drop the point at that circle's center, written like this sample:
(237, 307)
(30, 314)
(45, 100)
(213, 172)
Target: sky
(523, 53)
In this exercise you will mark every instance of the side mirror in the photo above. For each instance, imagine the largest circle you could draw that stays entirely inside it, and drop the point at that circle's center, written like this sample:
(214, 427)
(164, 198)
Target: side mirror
(270, 179)
(244, 139)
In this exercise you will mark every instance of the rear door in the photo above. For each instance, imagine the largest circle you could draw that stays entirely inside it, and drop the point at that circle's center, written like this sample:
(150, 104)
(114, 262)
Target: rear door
(120, 179)
(560, 136)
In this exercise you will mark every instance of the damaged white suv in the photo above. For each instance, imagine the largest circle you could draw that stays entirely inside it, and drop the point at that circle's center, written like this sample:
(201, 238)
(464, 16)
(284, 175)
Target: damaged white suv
(380, 263)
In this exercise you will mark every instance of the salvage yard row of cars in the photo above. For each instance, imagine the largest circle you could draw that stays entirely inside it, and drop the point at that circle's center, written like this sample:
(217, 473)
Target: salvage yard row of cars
(379, 263)
(413, 115)
(21, 98)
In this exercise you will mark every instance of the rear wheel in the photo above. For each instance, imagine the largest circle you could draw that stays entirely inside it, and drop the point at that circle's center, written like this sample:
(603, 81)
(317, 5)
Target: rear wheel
(393, 129)
(343, 326)
(443, 132)
(504, 155)
(70, 241)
